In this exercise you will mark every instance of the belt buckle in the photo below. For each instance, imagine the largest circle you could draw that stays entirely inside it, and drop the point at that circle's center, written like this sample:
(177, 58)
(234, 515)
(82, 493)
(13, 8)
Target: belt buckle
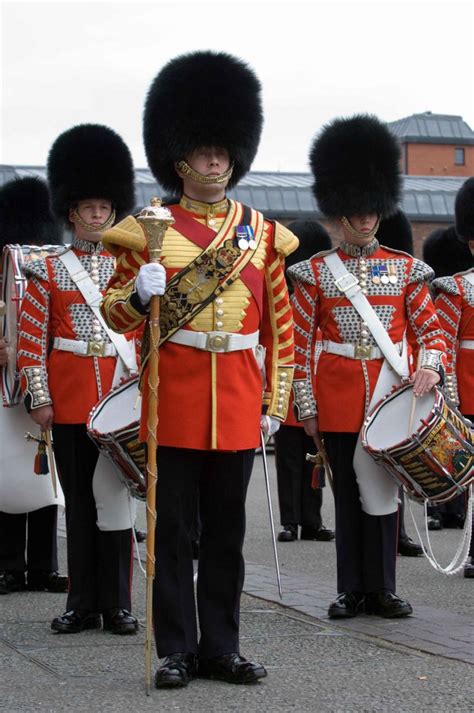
(346, 282)
(362, 351)
(217, 342)
(96, 349)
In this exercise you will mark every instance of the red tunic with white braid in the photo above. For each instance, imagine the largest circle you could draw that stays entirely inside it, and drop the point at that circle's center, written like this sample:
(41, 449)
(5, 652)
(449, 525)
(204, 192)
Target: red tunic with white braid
(455, 307)
(212, 400)
(345, 385)
(52, 308)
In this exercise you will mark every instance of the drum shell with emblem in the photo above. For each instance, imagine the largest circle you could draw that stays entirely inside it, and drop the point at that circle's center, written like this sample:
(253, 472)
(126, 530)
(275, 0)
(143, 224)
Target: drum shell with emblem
(435, 461)
(113, 425)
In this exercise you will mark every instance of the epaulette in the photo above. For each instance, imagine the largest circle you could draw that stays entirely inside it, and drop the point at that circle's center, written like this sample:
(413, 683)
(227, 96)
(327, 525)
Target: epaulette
(302, 272)
(420, 272)
(284, 240)
(397, 252)
(323, 253)
(126, 234)
(35, 268)
(447, 285)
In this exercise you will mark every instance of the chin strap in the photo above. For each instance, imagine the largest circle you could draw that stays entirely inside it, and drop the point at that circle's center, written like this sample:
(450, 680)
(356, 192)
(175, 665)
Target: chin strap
(184, 170)
(94, 228)
(350, 228)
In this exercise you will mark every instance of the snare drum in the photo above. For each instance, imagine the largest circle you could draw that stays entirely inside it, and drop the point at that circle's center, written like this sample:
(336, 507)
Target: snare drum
(436, 461)
(13, 290)
(113, 424)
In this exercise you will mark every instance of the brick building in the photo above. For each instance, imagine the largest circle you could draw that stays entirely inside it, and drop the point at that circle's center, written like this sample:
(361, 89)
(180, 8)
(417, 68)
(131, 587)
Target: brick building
(435, 145)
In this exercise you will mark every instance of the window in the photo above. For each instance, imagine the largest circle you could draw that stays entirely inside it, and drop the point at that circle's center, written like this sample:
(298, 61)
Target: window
(459, 157)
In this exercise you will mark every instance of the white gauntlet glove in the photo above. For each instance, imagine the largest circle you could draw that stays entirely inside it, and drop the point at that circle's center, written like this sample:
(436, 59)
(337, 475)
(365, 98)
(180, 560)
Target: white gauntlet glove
(151, 280)
(269, 426)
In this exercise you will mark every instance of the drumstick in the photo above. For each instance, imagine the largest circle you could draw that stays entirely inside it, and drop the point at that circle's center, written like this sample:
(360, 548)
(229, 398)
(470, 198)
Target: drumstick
(413, 399)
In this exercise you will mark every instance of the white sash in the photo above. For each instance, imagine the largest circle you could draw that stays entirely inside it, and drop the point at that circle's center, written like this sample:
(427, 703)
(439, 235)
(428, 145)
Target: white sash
(378, 489)
(93, 298)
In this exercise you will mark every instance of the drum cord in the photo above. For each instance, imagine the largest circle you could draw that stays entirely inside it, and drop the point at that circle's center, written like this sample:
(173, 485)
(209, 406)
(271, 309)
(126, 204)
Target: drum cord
(462, 551)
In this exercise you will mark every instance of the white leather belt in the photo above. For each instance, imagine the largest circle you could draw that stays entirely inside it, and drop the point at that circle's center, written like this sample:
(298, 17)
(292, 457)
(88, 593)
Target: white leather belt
(82, 348)
(353, 351)
(215, 341)
(466, 343)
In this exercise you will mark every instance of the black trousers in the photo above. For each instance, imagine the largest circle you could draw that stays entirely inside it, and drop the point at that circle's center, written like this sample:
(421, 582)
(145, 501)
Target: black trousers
(220, 480)
(300, 504)
(366, 545)
(36, 551)
(99, 563)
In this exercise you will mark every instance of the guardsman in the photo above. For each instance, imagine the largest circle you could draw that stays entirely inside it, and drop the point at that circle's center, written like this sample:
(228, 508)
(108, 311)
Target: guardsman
(455, 307)
(68, 361)
(28, 540)
(225, 317)
(357, 294)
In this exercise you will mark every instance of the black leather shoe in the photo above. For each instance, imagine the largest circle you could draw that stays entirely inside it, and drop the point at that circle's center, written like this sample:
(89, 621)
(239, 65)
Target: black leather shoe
(176, 671)
(434, 523)
(76, 620)
(47, 582)
(408, 548)
(453, 522)
(469, 568)
(387, 604)
(346, 605)
(12, 582)
(322, 534)
(119, 621)
(289, 533)
(231, 668)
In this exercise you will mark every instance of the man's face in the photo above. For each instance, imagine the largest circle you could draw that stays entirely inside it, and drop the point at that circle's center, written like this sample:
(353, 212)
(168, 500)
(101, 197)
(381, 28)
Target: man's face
(471, 246)
(209, 160)
(364, 223)
(94, 212)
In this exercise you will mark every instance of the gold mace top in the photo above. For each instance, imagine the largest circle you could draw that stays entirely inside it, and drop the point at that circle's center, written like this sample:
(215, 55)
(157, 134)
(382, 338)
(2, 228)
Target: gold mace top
(155, 219)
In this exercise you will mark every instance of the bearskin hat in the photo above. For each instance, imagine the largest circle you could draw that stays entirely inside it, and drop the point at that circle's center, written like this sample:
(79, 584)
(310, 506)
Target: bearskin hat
(445, 253)
(395, 232)
(313, 238)
(355, 163)
(464, 211)
(90, 161)
(25, 216)
(202, 99)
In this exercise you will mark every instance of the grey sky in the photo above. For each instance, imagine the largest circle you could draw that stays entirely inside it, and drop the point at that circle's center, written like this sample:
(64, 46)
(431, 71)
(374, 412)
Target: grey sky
(65, 63)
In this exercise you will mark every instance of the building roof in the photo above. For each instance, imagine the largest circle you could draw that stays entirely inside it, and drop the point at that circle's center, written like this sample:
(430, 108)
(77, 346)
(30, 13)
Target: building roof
(289, 195)
(429, 128)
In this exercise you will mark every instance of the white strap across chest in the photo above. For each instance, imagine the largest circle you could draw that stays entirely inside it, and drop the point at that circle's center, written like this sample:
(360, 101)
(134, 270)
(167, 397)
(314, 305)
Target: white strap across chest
(348, 284)
(93, 298)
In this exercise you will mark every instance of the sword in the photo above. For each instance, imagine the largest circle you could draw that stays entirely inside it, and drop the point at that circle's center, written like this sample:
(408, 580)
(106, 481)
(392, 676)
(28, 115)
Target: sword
(270, 513)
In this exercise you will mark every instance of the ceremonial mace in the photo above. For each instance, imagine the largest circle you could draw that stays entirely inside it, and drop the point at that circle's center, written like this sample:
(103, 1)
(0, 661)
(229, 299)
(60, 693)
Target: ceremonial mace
(154, 219)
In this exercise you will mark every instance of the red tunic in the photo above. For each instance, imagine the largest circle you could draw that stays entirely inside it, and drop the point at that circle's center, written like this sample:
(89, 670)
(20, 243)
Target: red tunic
(54, 307)
(209, 400)
(455, 307)
(345, 385)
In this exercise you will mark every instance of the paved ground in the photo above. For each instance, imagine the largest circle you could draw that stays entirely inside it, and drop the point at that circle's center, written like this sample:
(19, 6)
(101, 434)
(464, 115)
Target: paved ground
(366, 664)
